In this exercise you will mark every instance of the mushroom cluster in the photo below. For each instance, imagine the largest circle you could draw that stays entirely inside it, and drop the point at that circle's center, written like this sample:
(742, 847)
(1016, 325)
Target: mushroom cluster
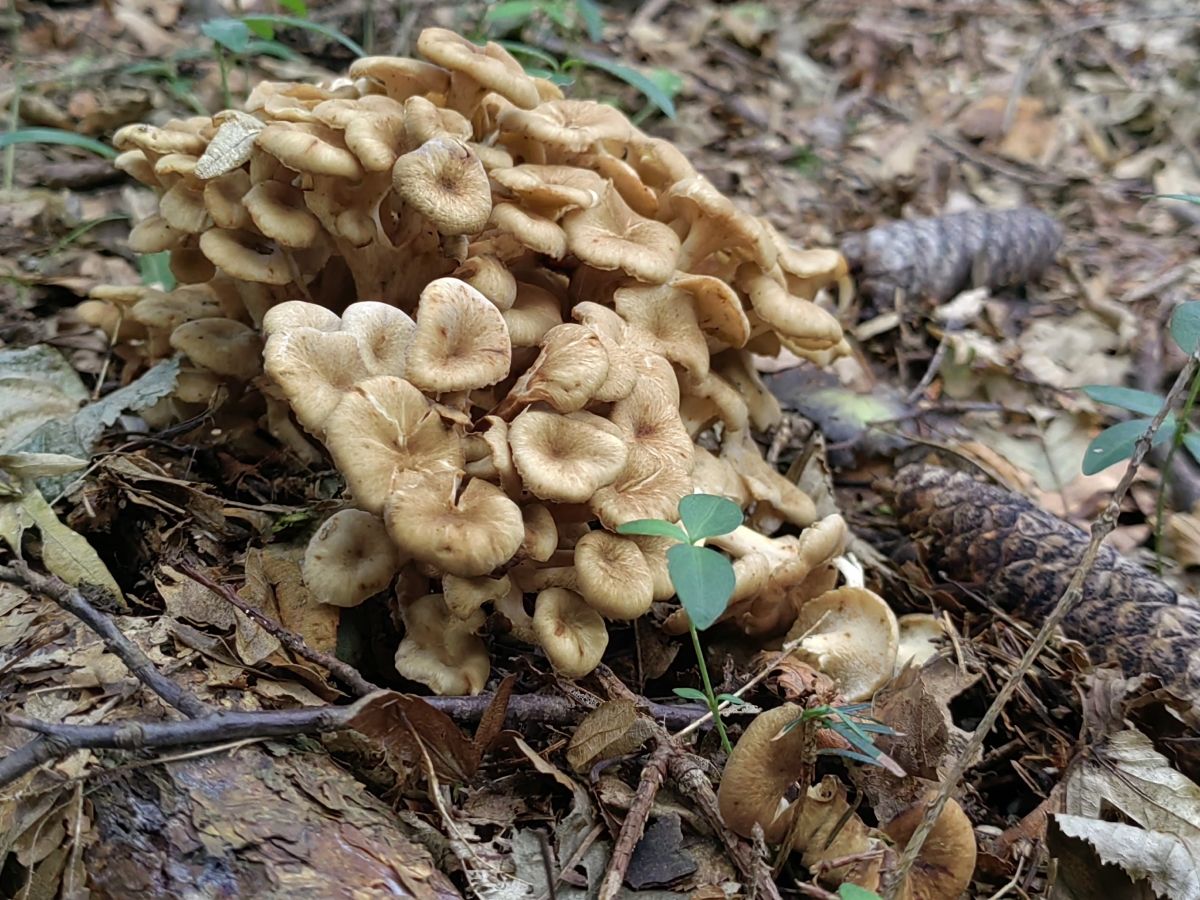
(509, 317)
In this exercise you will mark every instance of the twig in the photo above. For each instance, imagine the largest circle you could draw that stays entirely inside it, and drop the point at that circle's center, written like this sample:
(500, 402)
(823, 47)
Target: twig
(71, 600)
(1102, 527)
(59, 740)
(653, 773)
(344, 672)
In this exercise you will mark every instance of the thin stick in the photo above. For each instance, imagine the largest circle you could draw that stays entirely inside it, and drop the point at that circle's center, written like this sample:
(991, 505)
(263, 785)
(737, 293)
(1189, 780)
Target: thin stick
(654, 772)
(71, 600)
(1102, 527)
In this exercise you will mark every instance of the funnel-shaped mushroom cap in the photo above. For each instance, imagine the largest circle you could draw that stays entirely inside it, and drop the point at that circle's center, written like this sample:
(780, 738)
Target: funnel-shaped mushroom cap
(224, 346)
(298, 314)
(647, 488)
(440, 651)
(534, 313)
(793, 317)
(465, 596)
(313, 149)
(349, 559)
(182, 207)
(650, 422)
(541, 532)
(313, 369)
(610, 235)
(920, 634)
(946, 862)
(223, 197)
(245, 256)
(467, 535)
(571, 633)
(383, 333)
(759, 773)
(714, 223)
(664, 318)
(552, 189)
(491, 278)
(445, 182)
(530, 230)
(461, 341)
(277, 210)
(566, 374)
(401, 78)
(574, 125)
(852, 637)
(491, 66)
(384, 426)
(613, 575)
(562, 458)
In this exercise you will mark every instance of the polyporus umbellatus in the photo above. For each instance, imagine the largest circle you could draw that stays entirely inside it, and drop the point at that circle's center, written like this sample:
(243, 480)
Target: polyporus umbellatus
(507, 316)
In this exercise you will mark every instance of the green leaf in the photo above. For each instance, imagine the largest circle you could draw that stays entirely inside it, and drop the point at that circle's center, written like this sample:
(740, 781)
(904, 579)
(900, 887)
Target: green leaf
(593, 20)
(704, 581)
(155, 269)
(272, 48)
(1186, 198)
(295, 7)
(707, 515)
(293, 22)
(232, 34)
(849, 754)
(264, 30)
(56, 136)
(690, 694)
(1185, 326)
(1191, 441)
(848, 891)
(655, 94)
(1143, 403)
(730, 699)
(1115, 443)
(516, 48)
(653, 528)
(511, 14)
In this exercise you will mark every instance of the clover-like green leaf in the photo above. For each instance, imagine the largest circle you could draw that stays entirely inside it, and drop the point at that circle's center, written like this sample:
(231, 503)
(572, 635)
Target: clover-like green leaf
(654, 528)
(1143, 403)
(1116, 443)
(707, 515)
(704, 581)
(1185, 326)
(688, 693)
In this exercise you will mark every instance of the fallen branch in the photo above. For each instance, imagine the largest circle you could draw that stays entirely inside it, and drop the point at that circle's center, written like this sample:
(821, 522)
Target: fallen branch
(1103, 526)
(654, 771)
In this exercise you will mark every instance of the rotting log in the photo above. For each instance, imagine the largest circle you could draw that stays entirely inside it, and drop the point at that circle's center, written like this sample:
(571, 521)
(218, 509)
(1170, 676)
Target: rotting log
(1022, 557)
(268, 821)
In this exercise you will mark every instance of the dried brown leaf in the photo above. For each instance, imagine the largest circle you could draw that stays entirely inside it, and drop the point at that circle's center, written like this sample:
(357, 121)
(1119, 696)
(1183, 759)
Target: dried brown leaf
(399, 721)
(604, 730)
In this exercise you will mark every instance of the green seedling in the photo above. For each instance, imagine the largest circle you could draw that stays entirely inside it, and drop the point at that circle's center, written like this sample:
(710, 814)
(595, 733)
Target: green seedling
(1116, 443)
(702, 577)
(856, 729)
(848, 891)
(56, 136)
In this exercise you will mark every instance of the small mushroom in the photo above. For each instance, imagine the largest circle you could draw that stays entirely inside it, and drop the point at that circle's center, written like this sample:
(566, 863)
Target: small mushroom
(562, 458)
(220, 345)
(613, 575)
(610, 235)
(445, 182)
(461, 340)
(571, 633)
(851, 635)
(314, 369)
(920, 634)
(349, 559)
(944, 867)
(439, 651)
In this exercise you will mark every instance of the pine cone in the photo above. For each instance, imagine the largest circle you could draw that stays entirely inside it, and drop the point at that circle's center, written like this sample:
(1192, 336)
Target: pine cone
(1022, 558)
(940, 257)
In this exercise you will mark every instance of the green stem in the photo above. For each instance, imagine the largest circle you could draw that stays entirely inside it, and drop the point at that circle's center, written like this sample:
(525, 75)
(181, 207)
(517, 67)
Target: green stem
(223, 66)
(1176, 443)
(713, 706)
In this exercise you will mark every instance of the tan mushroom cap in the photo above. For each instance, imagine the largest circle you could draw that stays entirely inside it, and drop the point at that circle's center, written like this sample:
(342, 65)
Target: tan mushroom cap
(613, 575)
(647, 488)
(536, 232)
(564, 459)
(491, 67)
(153, 235)
(383, 332)
(713, 223)
(551, 189)
(349, 558)
(852, 637)
(246, 256)
(920, 634)
(439, 651)
(277, 210)
(135, 164)
(223, 198)
(610, 328)
(737, 368)
(493, 459)
(402, 78)
(461, 340)
(541, 532)
(572, 634)
(424, 121)
(315, 149)
(182, 207)
(299, 314)
(167, 312)
(466, 596)
(567, 373)
(491, 278)
(445, 182)
(719, 310)
(792, 317)
(467, 535)
(314, 370)
(382, 427)
(650, 422)
(573, 125)
(665, 319)
(759, 773)
(155, 141)
(610, 235)
(625, 178)
(224, 346)
(535, 311)
(946, 863)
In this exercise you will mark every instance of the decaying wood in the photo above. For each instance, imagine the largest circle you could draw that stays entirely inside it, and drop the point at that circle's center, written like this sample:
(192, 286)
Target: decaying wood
(1023, 557)
(939, 257)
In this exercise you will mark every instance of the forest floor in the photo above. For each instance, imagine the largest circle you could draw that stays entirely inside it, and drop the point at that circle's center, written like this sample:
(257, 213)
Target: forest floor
(825, 117)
